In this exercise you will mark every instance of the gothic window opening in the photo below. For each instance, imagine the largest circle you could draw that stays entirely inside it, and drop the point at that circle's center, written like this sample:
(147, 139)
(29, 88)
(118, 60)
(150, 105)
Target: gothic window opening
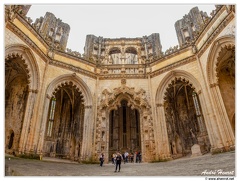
(185, 123)
(198, 112)
(115, 56)
(65, 124)
(51, 31)
(186, 33)
(51, 117)
(131, 56)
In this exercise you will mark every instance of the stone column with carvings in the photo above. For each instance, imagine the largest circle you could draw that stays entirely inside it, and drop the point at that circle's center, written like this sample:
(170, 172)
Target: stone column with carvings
(86, 151)
(163, 147)
(222, 119)
(24, 143)
(43, 124)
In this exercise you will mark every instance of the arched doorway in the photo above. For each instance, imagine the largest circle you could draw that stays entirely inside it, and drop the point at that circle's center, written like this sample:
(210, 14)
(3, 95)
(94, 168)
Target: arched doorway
(221, 78)
(124, 129)
(184, 119)
(225, 70)
(64, 131)
(135, 105)
(16, 95)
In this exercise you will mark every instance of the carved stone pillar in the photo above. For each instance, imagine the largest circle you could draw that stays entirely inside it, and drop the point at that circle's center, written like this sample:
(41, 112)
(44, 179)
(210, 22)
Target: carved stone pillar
(43, 124)
(86, 151)
(24, 143)
(163, 147)
(222, 119)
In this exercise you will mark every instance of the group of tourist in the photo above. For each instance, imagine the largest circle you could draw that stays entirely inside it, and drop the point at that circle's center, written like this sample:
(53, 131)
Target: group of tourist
(129, 157)
(117, 158)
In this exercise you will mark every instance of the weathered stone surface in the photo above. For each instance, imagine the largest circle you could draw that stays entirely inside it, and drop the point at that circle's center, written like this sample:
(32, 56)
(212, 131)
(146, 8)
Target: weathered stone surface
(172, 100)
(196, 151)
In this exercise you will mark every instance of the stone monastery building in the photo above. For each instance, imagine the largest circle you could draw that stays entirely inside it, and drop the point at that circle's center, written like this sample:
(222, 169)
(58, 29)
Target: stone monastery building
(122, 94)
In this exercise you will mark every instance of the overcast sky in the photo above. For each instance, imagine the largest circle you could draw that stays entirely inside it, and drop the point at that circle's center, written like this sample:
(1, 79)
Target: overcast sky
(116, 21)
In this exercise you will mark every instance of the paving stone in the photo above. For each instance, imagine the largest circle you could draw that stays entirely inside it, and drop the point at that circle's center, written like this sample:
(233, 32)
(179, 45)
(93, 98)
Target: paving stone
(187, 166)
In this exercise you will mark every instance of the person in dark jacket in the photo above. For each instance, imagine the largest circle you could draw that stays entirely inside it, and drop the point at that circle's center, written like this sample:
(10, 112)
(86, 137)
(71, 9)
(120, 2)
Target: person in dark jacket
(101, 159)
(118, 162)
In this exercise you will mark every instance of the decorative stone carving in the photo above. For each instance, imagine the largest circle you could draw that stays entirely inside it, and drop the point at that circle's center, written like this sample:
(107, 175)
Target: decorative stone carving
(184, 120)
(74, 53)
(191, 23)
(123, 81)
(136, 100)
(11, 11)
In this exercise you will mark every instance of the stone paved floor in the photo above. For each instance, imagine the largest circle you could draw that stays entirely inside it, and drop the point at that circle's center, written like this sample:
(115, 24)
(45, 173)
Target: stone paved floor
(180, 167)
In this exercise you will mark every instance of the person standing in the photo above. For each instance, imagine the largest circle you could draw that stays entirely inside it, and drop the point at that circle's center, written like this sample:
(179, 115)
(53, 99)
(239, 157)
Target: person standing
(139, 157)
(126, 156)
(135, 157)
(123, 156)
(101, 159)
(118, 162)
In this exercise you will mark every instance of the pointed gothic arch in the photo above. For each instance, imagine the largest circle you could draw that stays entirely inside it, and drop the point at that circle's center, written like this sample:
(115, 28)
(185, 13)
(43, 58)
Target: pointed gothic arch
(25, 54)
(79, 96)
(80, 85)
(22, 83)
(135, 100)
(212, 61)
(189, 86)
(220, 62)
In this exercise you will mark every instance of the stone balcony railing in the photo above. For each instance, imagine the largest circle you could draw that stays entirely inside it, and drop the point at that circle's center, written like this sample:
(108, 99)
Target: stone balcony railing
(123, 69)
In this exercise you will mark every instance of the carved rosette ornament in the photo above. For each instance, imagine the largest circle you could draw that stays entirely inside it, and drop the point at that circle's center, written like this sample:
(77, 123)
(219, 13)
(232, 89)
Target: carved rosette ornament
(136, 100)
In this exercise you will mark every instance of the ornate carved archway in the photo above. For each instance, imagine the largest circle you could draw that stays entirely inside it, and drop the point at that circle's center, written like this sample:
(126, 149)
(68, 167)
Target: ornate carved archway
(184, 118)
(135, 100)
(78, 88)
(221, 78)
(21, 88)
(164, 148)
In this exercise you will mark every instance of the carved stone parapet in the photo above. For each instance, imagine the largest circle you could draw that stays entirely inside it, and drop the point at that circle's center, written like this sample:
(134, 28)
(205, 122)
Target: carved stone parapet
(105, 71)
(141, 70)
(149, 70)
(123, 70)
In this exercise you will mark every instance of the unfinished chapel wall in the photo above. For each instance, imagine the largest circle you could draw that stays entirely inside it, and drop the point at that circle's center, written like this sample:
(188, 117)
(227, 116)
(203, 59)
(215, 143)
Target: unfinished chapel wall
(121, 94)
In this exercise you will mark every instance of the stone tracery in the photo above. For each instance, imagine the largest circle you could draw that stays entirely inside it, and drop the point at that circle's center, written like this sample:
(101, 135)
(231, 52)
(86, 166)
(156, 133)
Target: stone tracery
(185, 123)
(64, 138)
